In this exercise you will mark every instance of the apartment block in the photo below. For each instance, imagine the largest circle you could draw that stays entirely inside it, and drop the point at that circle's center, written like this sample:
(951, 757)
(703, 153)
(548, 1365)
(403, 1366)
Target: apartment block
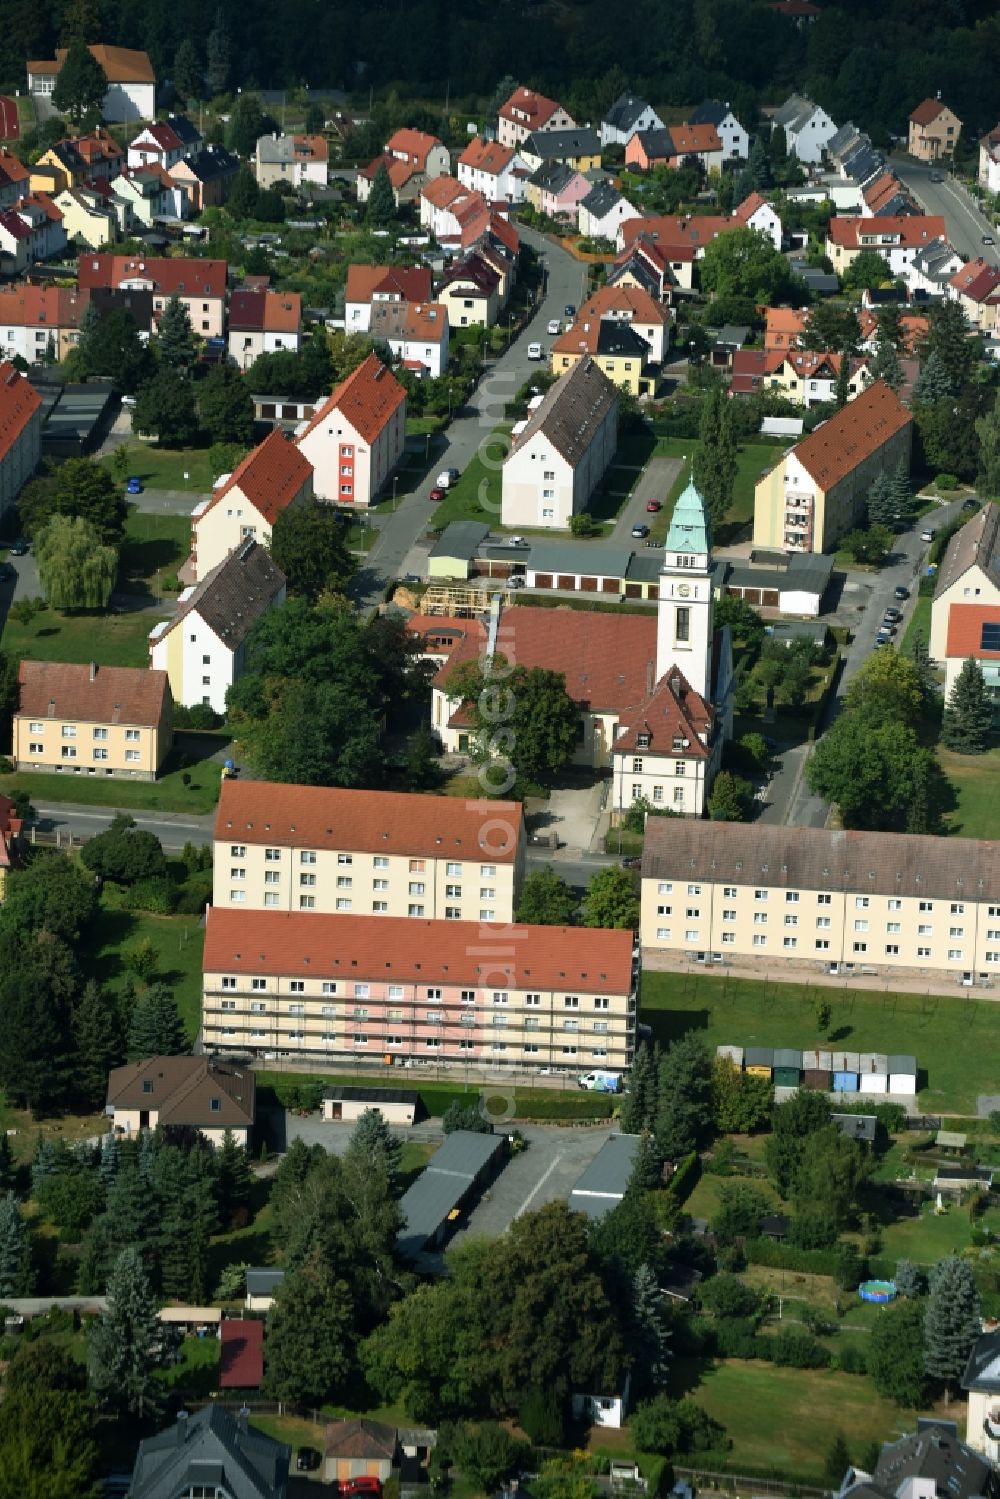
(804, 899)
(367, 853)
(91, 720)
(521, 996)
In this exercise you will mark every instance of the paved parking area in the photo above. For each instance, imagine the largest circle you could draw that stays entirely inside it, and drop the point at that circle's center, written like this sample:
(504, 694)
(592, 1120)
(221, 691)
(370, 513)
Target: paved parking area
(545, 1172)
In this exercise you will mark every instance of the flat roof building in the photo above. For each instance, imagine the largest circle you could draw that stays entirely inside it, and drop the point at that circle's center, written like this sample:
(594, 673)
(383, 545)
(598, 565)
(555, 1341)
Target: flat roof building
(452, 1178)
(602, 1186)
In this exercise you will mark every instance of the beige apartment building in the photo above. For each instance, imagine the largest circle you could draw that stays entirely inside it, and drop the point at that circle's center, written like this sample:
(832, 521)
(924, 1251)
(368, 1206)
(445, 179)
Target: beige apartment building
(433, 991)
(92, 720)
(367, 853)
(801, 900)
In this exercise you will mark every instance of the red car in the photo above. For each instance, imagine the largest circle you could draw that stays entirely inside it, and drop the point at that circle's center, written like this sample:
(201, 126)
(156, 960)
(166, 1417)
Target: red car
(370, 1488)
(653, 505)
(438, 493)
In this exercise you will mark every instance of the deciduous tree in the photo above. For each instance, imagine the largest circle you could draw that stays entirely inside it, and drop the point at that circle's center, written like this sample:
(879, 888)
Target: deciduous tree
(81, 83)
(308, 544)
(546, 899)
(225, 407)
(684, 1097)
(165, 409)
(50, 894)
(308, 1344)
(741, 1102)
(896, 1354)
(611, 899)
(76, 570)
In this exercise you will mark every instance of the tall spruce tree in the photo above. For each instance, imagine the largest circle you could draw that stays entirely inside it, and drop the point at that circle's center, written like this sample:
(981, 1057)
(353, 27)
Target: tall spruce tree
(99, 1041)
(952, 1321)
(638, 1109)
(381, 199)
(156, 1028)
(885, 364)
(234, 1177)
(881, 505)
(684, 1097)
(902, 490)
(841, 391)
(933, 383)
(308, 1344)
(715, 463)
(128, 1343)
(651, 1331)
(218, 56)
(81, 85)
(374, 1146)
(175, 340)
(15, 1250)
(967, 722)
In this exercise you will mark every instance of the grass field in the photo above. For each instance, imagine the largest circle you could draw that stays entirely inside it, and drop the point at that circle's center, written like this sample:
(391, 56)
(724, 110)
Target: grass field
(974, 780)
(155, 546)
(920, 624)
(108, 639)
(955, 1039)
(191, 757)
(928, 1236)
(752, 459)
(555, 1103)
(166, 468)
(476, 496)
(178, 941)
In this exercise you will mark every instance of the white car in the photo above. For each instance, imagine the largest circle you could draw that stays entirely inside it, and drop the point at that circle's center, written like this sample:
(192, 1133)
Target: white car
(446, 478)
(554, 325)
(534, 351)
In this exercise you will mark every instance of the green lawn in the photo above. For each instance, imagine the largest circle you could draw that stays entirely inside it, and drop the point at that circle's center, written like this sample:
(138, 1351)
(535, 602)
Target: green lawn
(555, 1103)
(190, 757)
(178, 941)
(920, 624)
(155, 546)
(954, 1037)
(974, 780)
(166, 468)
(784, 1420)
(476, 496)
(751, 461)
(928, 1236)
(108, 639)
(197, 1372)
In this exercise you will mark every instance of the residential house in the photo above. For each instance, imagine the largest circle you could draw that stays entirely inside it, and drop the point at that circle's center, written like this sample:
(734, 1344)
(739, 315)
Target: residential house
(556, 189)
(206, 176)
(674, 232)
(913, 328)
(330, 851)
(164, 143)
(654, 267)
(735, 140)
(634, 306)
(239, 1461)
(562, 452)
(262, 321)
(202, 648)
(976, 288)
(405, 178)
(527, 112)
(810, 379)
(500, 260)
(92, 720)
(358, 1448)
(965, 613)
(931, 269)
(10, 840)
(38, 322)
(29, 232)
(416, 334)
(817, 492)
(370, 284)
(886, 197)
(418, 149)
(185, 1093)
(672, 146)
(356, 438)
(933, 131)
(245, 504)
(131, 93)
(470, 290)
(200, 285)
(981, 1383)
(301, 160)
(628, 114)
(757, 213)
(20, 432)
(262, 1284)
(147, 194)
(784, 328)
(808, 128)
(138, 305)
(579, 148)
(603, 211)
(455, 215)
(74, 163)
(496, 171)
(88, 220)
(614, 346)
(989, 160)
(861, 899)
(897, 240)
(931, 1462)
(351, 987)
(15, 179)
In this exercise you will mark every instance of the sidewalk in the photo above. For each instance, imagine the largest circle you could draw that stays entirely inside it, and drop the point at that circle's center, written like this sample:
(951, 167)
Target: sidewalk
(806, 973)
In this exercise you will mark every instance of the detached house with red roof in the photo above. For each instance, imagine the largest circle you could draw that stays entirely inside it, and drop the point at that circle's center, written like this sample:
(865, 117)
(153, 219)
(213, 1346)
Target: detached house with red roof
(817, 492)
(368, 285)
(965, 612)
(199, 284)
(92, 720)
(411, 157)
(32, 230)
(526, 112)
(933, 131)
(20, 433)
(976, 288)
(14, 178)
(898, 240)
(356, 438)
(245, 504)
(262, 321)
(164, 143)
(495, 170)
(989, 160)
(672, 145)
(471, 292)
(34, 317)
(416, 334)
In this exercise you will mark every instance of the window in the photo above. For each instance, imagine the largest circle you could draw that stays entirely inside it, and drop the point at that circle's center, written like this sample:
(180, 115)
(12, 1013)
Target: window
(533, 999)
(258, 1007)
(416, 866)
(957, 909)
(380, 862)
(893, 926)
(296, 1009)
(344, 881)
(664, 887)
(36, 728)
(307, 856)
(272, 855)
(343, 903)
(924, 930)
(229, 983)
(486, 913)
(923, 952)
(636, 765)
(822, 944)
(861, 902)
(453, 869)
(307, 879)
(729, 914)
(760, 895)
(895, 905)
(69, 752)
(860, 946)
(360, 1039)
(100, 754)
(487, 871)
(238, 850)
(270, 898)
(729, 892)
(791, 921)
(823, 922)
(329, 986)
(694, 890)
(861, 926)
(571, 1002)
(453, 913)
(272, 877)
(790, 942)
(258, 984)
(954, 954)
(760, 918)
(824, 900)
(682, 625)
(657, 793)
(663, 934)
(487, 892)
(307, 902)
(693, 913)
(500, 996)
(414, 910)
(791, 897)
(396, 992)
(69, 731)
(759, 939)
(345, 859)
(416, 887)
(453, 892)
(380, 884)
(36, 749)
(361, 991)
(956, 931)
(892, 949)
(379, 907)
(600, 1003)
(103, 734)
(678, 795)
(238, 897)
(926, 905)
(297, 986)
(691, 936)
(132, 734)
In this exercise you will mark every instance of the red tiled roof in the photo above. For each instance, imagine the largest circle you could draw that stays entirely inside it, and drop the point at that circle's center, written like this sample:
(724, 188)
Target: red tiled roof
(672, 710)
(120, 64)
(270, 476)
(389, 822)
(673, 232)
(241, 1359)
(18, 403)
(486, 156)
(633, 300)
(116, 694)
(11, 168)
(440, 634)
(164, 136)
(749, 366)
(928, 111)
(907, 230)
(10, 125)
(14, 225)
(257, 308)
(503, 230)
(442, 192)
(169, 277)
(415, 143)
(977, 280)
(912, 326)
(310, 148)
(410, 283)
(852, 434)
(745, 211)
(536, 106)
(290, 943)
(368, 398)
(690, 139)
(965, 630)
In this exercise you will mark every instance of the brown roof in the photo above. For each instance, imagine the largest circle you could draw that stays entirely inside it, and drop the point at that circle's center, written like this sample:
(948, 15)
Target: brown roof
(181, 1090)
(271, 476)
(19, 401)
(256, 308)
(572, 411)
(890, 233)
(377, 822)
(976, 544)
(409, 320)
(852, 434)
(410, 283)
(234, 595)
(673, 710)
(92, 694)
(310, 148)
(169, 276)
(486, 156)
(293, 943)
(814, 859)
(536, 106)
(360, 1439)
(120, 64)
(367, 398)
(638, 304)
(928, 111)
(690, 139)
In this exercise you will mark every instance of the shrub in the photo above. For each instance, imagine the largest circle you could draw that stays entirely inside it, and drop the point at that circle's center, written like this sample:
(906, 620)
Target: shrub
(685, 1177)
(737, 1339)
(729, 1297)
(946, 481)
(152, 895)
(793, 1349)
(853, 1360)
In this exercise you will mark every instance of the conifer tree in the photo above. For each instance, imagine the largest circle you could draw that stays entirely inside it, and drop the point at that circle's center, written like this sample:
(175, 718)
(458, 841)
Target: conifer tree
(156, 1029)
(881, 505)
(175, 340)
(15, 1250)
(129, 1343)
(953, 1320)
(381, 199)
(97, 1034)
(650, 1321)
(967, 722)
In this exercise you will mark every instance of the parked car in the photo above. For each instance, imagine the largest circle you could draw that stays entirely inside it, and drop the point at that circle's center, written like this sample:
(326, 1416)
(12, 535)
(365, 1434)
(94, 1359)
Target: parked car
(988, 239)
(7, 573)
(515, 541)
(887, 627)
(447, 477)
(534, 351)
(569, 310)
(307, 1459)
(19, 548)
(937, 176)
(900, 592)
(970, 504)
(653, 506)
(437, 493)
(893, 615)
(554, 325)
(365, 1485)
(134, 486)
(928, 534)
(640, 529)
(880, 641)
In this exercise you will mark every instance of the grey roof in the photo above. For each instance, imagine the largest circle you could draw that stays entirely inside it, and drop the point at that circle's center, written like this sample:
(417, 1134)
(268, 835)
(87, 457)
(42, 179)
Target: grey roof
(460, 538)
(963, 1174)
(787, 1056)
(211, 1448)
(709, 112)
(909, 864)
(625, 111)
(731, 336)
(901, 1063)
(936, 1453)
(982, 1372)
(212, 162)
(601, 199)
(976, 544)
(794, 112)
(348, 1093)
(732, 1054)
(787, 630)
(263, 1282)
(552, 176)
(874, 1062)
(276, 150)
(619, 338)
(235, 594)
(186, 133)
(602, 1185)
(442, 1184)
(759, 1056)
(572, 411)
(556, 145)
(645, 566)
(933, 260)
(638, 267)
(657, 143)
(856, 1126)
(845, 1061)
(842, 139)
(595, 559)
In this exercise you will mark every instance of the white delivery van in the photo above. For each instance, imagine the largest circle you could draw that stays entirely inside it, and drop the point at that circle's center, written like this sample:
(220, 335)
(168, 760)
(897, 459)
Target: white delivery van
(600, 1082)
(534, 351)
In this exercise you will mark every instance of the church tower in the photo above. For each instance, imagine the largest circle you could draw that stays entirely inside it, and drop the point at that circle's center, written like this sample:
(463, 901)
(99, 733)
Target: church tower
(684, 621)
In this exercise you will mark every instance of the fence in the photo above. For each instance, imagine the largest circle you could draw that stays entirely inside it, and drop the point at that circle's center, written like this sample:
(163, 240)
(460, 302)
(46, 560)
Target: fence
(701, 1478)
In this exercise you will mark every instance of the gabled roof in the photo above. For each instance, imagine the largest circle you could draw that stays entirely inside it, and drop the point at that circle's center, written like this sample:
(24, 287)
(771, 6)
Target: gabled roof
(234, 595)
(168, 276)
(929, 110)
(368, 398)
(631, 303)
(410, 283)
(966, 632)
(624, 112)
(192, 1092)
(241, 1355)
(976, 544)
(745, 211)
(709, 112)
(601, 199)
(12, 170)
(657, 145)
(486, 156)
(416, 144)
(19, 401)
(904, 231)
(211, 1446)
(554, 176)
(92, 694)
(536, 108)
(424, 322)
(257, 309)
(852, 434)
(689, 140)
(556, 145)
(208, 164)
(120, 64)
(982, 1372)
(270, 477)
(502, 230)
(571, 413)
(360, 1439)
(474, 271)
(673, 711)
(978, 280)
(794, 113)
(609, 336)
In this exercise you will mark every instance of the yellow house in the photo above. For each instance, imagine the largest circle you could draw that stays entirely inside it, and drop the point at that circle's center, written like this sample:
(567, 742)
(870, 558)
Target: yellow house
(579, 148)
(87, 218)
(92, 720)
(471, 293)
(933, 131)
(246, 503)
(817, 492)
(616, 348)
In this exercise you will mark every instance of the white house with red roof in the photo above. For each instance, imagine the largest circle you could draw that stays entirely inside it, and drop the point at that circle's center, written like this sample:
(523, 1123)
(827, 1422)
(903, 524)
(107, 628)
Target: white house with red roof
(199, 284)
(526, 112)
(757, 213)
(418, 149)
(356, 438)
(20, 433)
(965, 612)
(262, 321)
(131, 92)
(368, 285)
(495, 170)
(164, 143)
(32, 230)
(897, 240)
(14, 178)
(976, 288)
(245, 504)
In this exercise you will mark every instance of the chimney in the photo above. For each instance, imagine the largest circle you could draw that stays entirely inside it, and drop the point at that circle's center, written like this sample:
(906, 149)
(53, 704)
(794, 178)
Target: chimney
(93, 671)
(182, 1421)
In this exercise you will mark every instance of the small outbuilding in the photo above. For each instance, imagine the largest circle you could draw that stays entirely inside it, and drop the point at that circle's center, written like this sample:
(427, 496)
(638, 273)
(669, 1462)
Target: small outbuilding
(732, 1054)
(602, 1186)
(242, 1357)
(759, 1060)
(775, 1226)
(358, 1448)
(450, 1182)
(903, 1075)
(396, 1105)
(873, 1072)
(862, 1127)
(262, 1287)
(787, 1067)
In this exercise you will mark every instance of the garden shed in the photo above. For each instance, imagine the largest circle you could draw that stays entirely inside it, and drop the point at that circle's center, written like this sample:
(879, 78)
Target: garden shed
(732, 1054)
(787, 1067)
(845, 1066)
(759, 1060)
(817, 1070)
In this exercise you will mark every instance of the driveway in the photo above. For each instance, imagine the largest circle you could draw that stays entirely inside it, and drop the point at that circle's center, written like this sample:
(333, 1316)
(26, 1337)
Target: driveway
(571, 812)
(655, 483)
(964, 220)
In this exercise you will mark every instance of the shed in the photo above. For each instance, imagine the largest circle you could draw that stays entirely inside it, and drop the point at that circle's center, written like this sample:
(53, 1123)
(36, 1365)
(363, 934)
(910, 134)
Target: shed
(819, 1078)
(787, 1067)
(845, 1061)
(732, 1054)
(447, 1184)
(242, 1356)
(873, 1072)
(453, 553)
(856, 1126)
(262, 1285)
(903, 1075)
(775, 1226)
(358, 1448)
(845, 1082)
(759, 1060)
(602, 1185)
(951, 1139)
(963, 1178)
(396, 1105)
(193, 1318)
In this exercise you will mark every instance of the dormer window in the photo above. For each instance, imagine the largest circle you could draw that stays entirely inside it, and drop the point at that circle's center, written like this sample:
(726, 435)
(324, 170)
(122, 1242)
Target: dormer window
(215, 1104)
(147, 1086)
(642, 741)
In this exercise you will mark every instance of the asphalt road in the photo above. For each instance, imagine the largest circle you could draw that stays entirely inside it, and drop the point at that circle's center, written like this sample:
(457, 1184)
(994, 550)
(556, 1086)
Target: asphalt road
(965, 223)
(173, 829)
(654, 483)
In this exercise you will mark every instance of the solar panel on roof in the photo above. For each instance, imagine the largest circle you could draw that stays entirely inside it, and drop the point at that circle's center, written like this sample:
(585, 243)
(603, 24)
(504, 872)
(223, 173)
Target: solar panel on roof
(990, 637)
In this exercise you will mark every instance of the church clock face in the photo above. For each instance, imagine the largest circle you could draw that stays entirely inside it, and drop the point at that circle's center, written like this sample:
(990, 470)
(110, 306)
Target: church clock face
(683, 589)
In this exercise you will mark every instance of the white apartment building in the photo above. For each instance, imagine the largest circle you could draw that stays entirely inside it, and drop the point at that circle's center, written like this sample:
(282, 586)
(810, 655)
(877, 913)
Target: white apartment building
(559, 457)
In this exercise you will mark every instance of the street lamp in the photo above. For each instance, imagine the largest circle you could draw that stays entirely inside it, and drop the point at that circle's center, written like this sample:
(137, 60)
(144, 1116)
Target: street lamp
(395, 481)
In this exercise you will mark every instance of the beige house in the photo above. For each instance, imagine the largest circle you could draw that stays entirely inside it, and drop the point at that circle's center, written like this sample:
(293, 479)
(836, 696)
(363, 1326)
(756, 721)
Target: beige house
(391, 854)
(92, 720)
(526, 112)
(470, 290)
(933, 131)
(817, 492)
(447, 992)
(197, 1093)
(246, 503)
(200, 285)
(562, 452)
(88, 217)
(356, 438)
(976, 288)
(346, 1103)
(965, 613)
(801, 900)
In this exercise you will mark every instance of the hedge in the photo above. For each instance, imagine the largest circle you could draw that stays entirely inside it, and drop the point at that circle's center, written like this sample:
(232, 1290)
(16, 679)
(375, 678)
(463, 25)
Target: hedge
(685, 1177)
(787, 1257)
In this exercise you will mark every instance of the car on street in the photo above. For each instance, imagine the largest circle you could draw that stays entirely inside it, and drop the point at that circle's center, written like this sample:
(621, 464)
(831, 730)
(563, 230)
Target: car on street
(534, 351)
(899, 592)
(928, 534)
(437, 493)
(447, 477)
(880, 641)
(307, 1459)
(569, 310)
(893, 615)
(19, 548)
(970, 504)
(937, 176)
(554, 325)
(134, 486)
(640, 529)
(887, 627)
(366, 1485)
(515, 541)
(988, 239)
(653, 506)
